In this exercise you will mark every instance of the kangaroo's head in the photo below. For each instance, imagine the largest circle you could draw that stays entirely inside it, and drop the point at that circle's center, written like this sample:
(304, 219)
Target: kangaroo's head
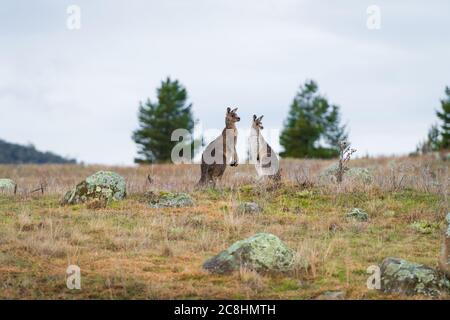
(231, 117)
(257, 123)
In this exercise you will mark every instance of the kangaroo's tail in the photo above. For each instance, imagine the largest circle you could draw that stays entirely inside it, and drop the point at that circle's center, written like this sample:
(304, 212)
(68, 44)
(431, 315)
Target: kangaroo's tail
(204, 174)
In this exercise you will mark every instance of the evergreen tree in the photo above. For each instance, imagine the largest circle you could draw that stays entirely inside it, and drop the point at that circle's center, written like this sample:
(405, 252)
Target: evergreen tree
(312, 128)
(157, 121)
(444, 116)
(431, 143)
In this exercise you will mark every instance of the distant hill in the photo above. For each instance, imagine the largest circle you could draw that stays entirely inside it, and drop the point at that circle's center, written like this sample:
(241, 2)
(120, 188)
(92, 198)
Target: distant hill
(11, 153)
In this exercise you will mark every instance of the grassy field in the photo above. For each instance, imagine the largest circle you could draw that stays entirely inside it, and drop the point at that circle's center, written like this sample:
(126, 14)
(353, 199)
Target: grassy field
(130, 251)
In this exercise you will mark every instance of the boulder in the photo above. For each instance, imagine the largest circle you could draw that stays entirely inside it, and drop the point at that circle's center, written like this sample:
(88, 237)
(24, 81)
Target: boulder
(249, 207)
(104, 185)
(7, 186)
(444, 263)
(331, 295)
(170, 200)
(263, 252)
(358, 214)
(355, 174)
(401, 276)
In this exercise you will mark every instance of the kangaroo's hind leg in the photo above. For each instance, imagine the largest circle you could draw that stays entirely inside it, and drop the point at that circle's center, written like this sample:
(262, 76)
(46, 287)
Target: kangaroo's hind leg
(204, 179)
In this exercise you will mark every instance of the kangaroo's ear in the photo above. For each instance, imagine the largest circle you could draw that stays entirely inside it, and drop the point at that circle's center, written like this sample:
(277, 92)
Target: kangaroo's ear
(260, 118)
(254, 117)
(234, 110)
(228, 110)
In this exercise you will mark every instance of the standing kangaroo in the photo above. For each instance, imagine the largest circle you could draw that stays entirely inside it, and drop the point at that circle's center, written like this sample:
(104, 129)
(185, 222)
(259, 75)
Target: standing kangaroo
(220, 151)
(261, 154)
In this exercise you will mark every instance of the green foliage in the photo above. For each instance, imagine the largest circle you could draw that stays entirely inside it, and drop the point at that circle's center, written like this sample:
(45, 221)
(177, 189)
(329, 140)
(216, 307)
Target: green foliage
(444, 116)
(438, 138)
(11, 153)
(157, 121)
(433, 138)
(313, 127)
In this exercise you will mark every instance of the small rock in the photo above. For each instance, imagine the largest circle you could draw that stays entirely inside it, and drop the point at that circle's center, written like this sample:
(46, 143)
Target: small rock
(331, 295)
(401, 276)
(358, 214)
(389, 213)
(8, 185)
(101, 185)
(261, 252)
(249, 207)
(170, 200)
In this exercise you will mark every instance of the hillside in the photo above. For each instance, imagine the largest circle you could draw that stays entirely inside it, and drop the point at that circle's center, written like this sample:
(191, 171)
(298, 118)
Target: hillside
(11, 153)
(130, 250)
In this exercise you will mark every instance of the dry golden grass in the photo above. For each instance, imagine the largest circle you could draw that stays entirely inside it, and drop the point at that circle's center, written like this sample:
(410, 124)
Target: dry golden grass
(128, 250)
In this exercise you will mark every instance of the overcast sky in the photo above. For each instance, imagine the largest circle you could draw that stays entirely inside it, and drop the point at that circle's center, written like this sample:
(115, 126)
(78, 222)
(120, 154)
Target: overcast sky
(76, 92)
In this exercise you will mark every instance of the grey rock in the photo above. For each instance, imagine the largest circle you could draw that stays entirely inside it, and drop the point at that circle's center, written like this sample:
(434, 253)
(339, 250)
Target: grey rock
(262, 252)
(170, 200)
(249, 207)
(401, 276)
(7, 186)
(332, 295)
(104, 185)
(358, 214)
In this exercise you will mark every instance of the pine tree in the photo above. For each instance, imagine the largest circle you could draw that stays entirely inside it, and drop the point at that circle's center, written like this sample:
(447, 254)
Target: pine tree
(444, 116)
(431, 143)
(312, 128)
(157, 121)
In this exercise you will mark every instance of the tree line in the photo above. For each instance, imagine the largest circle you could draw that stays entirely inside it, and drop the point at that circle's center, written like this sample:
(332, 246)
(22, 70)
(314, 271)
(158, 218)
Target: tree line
(312, 128)
(11, 153)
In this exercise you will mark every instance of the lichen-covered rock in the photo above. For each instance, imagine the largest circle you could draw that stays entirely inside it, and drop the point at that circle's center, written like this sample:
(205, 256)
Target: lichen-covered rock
(263, 252)
(249, 207)
(358, 214)
(331, 295)
(355, 174)
(7, 186)
(401, 276)
(170, 200)
(104, 185)
(389, 213)
(444, 263)
(424, 227)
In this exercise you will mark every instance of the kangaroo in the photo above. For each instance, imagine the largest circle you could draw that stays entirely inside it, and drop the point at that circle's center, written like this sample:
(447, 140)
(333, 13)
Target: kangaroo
(261, 154)
(220, 151)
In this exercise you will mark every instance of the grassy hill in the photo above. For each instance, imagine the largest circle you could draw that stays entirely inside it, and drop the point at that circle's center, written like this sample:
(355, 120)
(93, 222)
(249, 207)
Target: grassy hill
(11, 153)
(129, 250)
